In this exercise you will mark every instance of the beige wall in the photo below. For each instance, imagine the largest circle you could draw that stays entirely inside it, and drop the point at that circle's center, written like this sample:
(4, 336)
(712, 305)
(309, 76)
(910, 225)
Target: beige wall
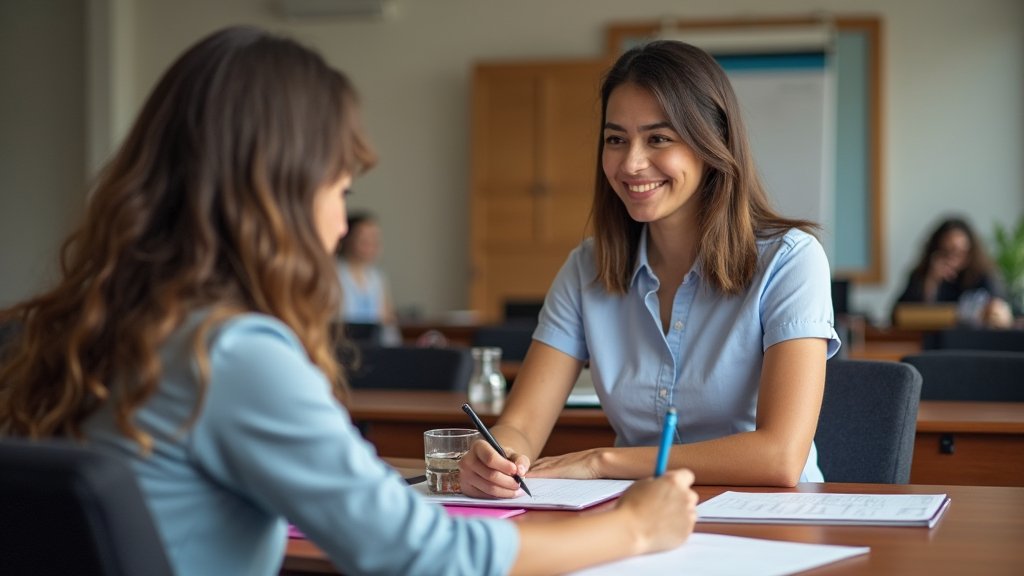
(954, 101)
(42, 138)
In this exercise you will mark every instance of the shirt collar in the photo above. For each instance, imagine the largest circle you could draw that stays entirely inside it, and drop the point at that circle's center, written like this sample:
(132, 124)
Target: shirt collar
(643, 264)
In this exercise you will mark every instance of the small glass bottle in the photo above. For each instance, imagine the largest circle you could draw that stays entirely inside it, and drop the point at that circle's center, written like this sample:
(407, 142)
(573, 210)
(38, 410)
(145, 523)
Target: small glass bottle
(487, 384)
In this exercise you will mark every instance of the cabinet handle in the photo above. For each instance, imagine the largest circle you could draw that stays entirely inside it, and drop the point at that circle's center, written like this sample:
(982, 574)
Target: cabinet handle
(947, 444)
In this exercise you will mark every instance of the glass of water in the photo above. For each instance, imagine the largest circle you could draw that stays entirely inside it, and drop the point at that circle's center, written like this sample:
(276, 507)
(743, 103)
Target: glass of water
(442, 450)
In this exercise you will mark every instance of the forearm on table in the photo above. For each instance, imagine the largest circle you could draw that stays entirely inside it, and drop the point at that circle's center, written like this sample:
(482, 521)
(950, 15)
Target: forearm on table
(746, 459)
(564, 545)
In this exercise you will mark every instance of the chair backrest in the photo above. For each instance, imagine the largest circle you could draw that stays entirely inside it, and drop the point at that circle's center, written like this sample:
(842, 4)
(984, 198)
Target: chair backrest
(972, 375)
(526, 310)
(868, 421)
(65, 509)
(514, 338)
(966, 338)
(412, 368)
(363, 334)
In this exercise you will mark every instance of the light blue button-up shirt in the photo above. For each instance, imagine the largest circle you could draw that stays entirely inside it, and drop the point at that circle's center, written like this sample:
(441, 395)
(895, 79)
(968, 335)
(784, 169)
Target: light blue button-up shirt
(361, 302)
(708, 364)
(270, 442)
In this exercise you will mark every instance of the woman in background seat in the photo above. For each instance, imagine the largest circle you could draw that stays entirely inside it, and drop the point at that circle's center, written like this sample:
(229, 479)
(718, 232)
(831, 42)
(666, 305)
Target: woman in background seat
(953, 268)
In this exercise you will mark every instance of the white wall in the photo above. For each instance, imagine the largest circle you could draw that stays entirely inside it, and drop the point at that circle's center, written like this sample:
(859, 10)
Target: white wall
(953, 98)
(42, 138)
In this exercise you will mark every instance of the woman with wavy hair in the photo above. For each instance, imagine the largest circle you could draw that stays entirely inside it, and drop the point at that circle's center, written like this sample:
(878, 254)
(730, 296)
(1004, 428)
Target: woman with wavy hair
(190, 335)
(693, 293)
(953, 264)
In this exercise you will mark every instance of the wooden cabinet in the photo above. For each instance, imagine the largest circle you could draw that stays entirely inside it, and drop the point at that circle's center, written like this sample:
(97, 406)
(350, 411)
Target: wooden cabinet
(534, 151)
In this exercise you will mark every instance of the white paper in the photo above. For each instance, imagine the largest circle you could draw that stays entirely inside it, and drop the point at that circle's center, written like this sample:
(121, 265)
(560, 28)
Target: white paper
(548, 493)
(804, 508)
(718, 555)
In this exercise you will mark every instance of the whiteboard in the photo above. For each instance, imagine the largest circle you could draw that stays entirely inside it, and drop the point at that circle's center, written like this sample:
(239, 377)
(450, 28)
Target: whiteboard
(787, 112)
(785, 82)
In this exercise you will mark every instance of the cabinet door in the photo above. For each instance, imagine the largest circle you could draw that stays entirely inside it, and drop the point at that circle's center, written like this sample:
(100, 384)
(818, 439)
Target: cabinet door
(535, 130)
(567, 151)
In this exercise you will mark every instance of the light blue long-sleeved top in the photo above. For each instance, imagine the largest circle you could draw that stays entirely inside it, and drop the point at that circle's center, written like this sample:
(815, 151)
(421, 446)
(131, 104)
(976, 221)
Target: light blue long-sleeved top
(709, 364)
(270, 442)
(362, 302)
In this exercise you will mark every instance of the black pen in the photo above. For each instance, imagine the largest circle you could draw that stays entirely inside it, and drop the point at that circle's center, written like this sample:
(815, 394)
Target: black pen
(494, 443)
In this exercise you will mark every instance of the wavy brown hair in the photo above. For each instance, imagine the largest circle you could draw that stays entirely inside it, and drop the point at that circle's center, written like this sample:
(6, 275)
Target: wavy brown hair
(699, 102)
(208, 205)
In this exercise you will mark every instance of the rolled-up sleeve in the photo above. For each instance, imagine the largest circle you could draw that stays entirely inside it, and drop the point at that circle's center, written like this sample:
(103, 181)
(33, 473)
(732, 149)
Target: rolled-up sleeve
(796, 297)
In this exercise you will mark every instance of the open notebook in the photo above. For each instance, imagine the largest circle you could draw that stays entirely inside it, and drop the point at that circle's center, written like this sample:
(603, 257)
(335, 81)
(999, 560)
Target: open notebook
(548, 493)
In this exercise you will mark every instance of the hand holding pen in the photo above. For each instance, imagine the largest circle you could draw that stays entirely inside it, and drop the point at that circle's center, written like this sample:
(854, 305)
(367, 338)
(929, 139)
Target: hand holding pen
(494, 443)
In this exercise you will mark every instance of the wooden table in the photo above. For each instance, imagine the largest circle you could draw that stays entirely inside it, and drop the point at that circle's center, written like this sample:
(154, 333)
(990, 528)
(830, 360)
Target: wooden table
(987, 437)
(981, 533)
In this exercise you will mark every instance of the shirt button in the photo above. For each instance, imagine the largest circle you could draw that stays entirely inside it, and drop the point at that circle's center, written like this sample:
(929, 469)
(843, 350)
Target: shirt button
(678, 325)
(663, 392)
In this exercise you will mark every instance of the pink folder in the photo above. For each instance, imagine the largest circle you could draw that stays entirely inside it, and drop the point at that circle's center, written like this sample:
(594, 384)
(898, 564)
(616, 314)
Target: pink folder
(480, 511)
(294, 532)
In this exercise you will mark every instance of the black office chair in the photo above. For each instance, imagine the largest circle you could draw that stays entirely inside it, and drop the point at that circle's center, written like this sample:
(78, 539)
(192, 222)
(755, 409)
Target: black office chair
(868, 421)
(363, 333)
(65, 510)
(967, 338)
(411, 368)
(526, 310)
(514, 338)
(972, 375)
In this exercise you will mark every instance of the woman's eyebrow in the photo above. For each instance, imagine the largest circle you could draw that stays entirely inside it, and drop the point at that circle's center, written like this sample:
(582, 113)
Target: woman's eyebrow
(644, 128)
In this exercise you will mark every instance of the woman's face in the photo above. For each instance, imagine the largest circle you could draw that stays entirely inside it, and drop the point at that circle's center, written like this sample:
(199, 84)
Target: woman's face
(363, 242)
(329, 212)
(651, 169)
(953, 253)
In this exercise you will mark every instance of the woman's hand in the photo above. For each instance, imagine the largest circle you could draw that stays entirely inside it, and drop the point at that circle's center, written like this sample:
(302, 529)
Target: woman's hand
(663, 509)
(997, 314)
(483, 473)
(583, 465)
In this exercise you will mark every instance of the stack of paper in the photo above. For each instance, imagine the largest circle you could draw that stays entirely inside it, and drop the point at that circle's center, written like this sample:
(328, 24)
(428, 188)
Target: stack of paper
(718, 555)
(842, 509)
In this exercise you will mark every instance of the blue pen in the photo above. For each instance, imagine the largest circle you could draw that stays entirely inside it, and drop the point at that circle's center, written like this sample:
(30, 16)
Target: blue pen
(667, 432)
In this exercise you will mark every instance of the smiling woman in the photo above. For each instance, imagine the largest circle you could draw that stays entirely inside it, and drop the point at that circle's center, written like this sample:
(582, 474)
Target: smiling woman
(693, 295)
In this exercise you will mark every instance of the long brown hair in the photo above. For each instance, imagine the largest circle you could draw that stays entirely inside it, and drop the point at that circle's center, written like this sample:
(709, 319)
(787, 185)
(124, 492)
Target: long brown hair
(208, 204)
(699, 102)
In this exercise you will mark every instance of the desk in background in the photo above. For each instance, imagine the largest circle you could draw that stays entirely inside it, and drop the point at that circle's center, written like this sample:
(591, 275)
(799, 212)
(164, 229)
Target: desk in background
(969, 443)
(987, 437)
(394, 421)
(980, 533)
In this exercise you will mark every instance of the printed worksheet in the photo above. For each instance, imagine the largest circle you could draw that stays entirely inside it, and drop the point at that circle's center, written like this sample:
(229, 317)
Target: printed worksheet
(803, 508)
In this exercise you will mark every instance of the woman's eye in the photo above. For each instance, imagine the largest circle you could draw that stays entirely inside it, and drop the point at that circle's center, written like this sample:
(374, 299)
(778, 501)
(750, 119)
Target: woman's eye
(613, 140)
(659, 139)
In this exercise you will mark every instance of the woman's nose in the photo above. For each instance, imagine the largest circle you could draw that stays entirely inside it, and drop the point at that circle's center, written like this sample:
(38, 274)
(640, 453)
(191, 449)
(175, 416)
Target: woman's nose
(636, 159)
